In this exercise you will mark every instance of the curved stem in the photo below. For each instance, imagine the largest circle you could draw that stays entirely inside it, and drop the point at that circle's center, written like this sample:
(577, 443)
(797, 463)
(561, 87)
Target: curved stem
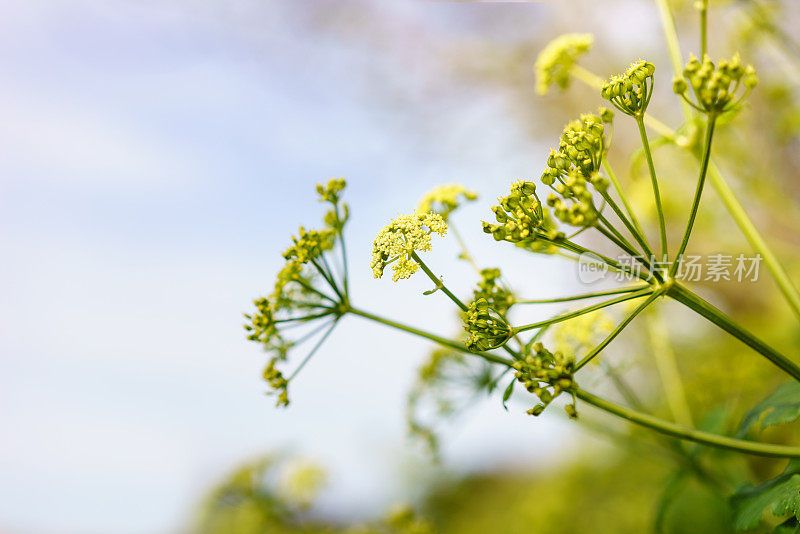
(583, 311)
(689, 434)
(712, 119)
(713, 314)
(438, 282)
(450, 343)
(654, 180)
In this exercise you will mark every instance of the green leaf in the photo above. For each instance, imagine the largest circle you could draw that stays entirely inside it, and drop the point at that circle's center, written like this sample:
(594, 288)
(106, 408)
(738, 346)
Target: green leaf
(507, 392)
(779, 496)
(783, 406)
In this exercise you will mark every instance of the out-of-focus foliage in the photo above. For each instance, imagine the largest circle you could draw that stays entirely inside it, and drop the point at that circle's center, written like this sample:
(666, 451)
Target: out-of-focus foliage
(272, 495)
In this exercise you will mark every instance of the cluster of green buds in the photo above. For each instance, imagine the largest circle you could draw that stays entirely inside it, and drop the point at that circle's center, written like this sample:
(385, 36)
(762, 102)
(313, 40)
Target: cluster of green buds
(546, 375)
(486, 329)
(401, 239)
(630, 92)
(445, 199)
(298, 300)
(715, 86)
(492, 290)
(556, 61)
(521, 218)
(331, 193)
(574, 166)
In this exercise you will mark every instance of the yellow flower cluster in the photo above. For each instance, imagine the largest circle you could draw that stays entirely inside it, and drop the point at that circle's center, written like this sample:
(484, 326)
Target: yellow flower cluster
(399, 240)
(444, 199)
(555, 62)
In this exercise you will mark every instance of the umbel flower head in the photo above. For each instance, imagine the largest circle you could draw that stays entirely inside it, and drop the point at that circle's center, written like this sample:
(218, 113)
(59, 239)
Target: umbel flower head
(486, 329)
(445, 199)
(630, 92)
(546, 375)
(555, 62)
(298, 300)
(491, 289)
(521, 218)
(715, 86)
(574, 166)
(399, 240)
(446, 385)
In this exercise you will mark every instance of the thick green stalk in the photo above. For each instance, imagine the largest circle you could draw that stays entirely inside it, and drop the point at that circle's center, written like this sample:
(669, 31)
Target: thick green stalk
(438, 282)
(617, 330)
(583, 311)
(712, 119)
(689, 434)
(450, 343)
(662, 227)
(716, 316)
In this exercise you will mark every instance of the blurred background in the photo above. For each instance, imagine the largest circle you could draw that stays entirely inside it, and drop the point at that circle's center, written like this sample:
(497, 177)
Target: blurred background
(155, 158)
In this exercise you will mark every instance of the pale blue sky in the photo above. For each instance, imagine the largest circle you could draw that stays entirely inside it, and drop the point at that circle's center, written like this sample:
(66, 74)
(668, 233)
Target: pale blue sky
(156, 157)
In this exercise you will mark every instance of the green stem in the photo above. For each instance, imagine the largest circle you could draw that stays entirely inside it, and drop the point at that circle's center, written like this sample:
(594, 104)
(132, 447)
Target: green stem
(583, 296)
(754, 237)
(712, 119)
(313, 351)
(583, 311)
(673, 44)
(617, 330)
(566, 244)
(464, 250)
(713, 314)
(629, 248)
(589, 78)
(654, 180)
(703, 28)
(668, 370)
(438, 282)
(612, 176)
(450, 343)
(689, 434)
(632, 227)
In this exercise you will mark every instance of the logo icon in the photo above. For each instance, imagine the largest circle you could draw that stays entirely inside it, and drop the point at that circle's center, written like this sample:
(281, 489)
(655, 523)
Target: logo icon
(591, 268)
